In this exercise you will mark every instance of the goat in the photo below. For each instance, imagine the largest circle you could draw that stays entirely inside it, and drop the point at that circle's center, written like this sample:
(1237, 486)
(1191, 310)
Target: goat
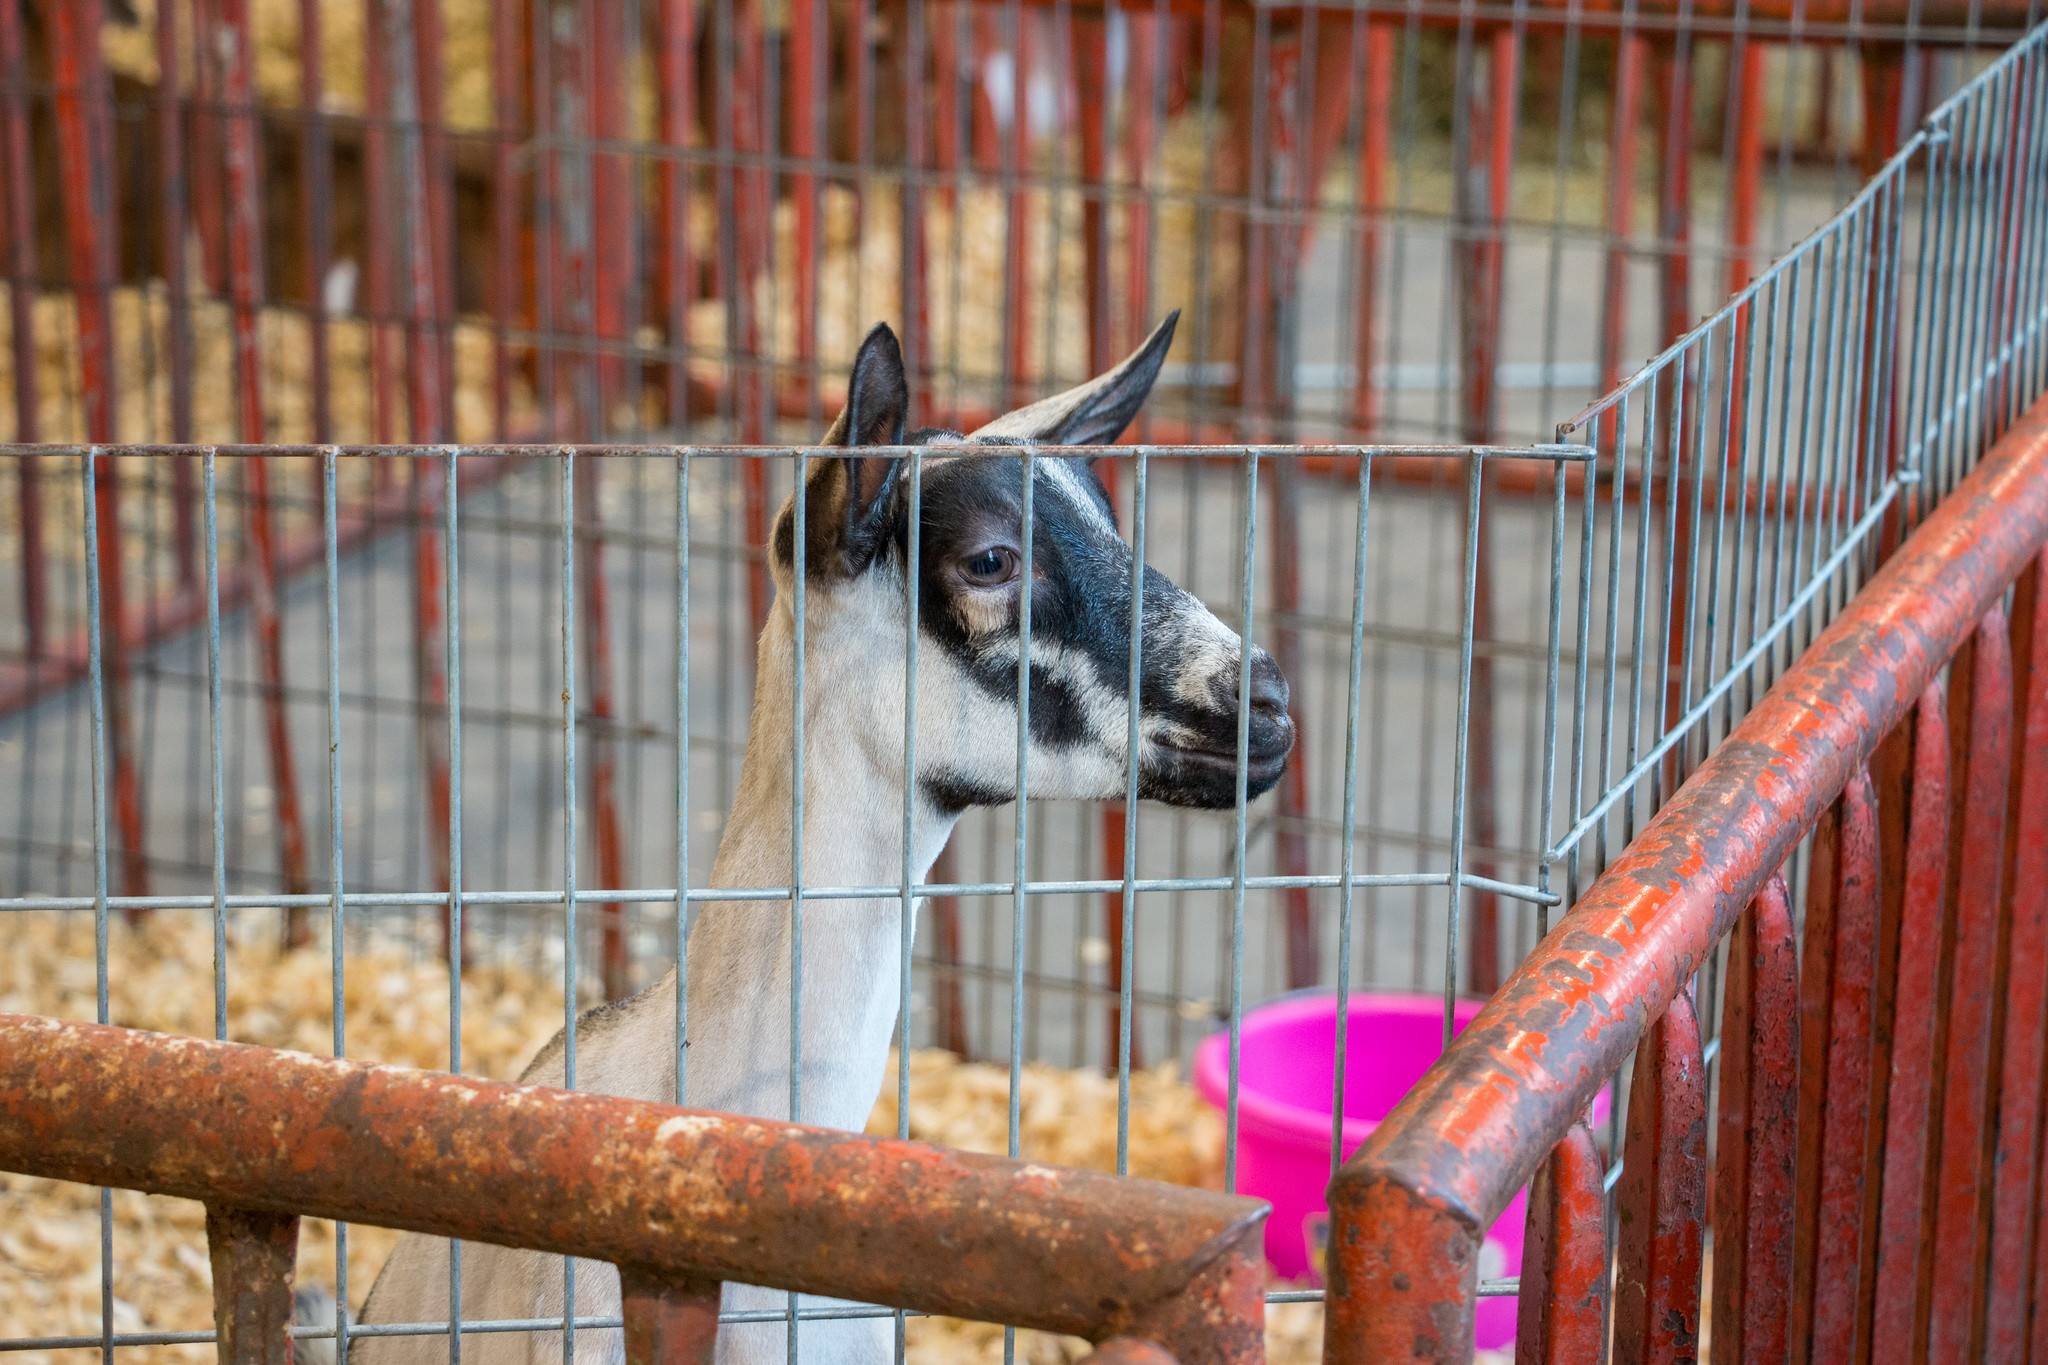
(969, 578)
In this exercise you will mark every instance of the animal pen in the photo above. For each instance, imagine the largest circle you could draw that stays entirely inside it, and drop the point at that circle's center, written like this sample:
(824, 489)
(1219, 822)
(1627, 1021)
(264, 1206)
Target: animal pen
(482, 698)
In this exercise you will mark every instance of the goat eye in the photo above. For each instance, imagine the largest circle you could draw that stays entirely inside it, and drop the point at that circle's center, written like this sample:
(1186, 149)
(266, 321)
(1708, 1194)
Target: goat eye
(997, 564)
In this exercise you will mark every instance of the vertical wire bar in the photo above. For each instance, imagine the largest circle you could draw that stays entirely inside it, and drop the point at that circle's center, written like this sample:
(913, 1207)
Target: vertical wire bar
(1547, 794)
(1347, 853)
(1639, 621)
(1475, 479)
(1617, 517)
(913, 557)
(452, 615)
(1583, 643)
(1127, 966)
(1247, 583)
(1021, 848)
(97, 701)
(799, 570)
(209, 505)
(1021, 837)
(336, 904)
(682, 928)
(567, 570)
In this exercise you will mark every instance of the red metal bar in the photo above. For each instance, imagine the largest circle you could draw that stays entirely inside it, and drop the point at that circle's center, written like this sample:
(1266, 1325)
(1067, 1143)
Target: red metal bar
(911, 281)
(1673, 84)
(678, 65)
(1141, 136)
(2015, 1191)
(1017, 227)
(253, 1255)
(21, 291)
(430, 683)
(612, 222)
(946, 97)
(1980, 715)
(1744, 179)
(377, 269)
(245, 285)
(1490, 124)
(675, 1193)
(1562, 1313)
(810, 37)
(595, 629)
(316, 202)
(1904, 1250)
(1377, 62)
(209, 153)
(1758, 1115)
(984, 40)
(1091, 80)
(408, 49)
(1114, 833)
(511, 246)
(952, 1022)
(1663, 1193)
(436, 193)
(81, 106)
(669, 1321)
(1408, 1210)
(1838, 974)
(1621, 193)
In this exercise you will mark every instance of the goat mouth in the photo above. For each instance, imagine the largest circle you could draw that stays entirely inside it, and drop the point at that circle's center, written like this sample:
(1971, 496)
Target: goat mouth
(1262, 767)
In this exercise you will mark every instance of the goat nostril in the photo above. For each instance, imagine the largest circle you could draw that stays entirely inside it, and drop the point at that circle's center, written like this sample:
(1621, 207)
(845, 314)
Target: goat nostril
(1269, 688)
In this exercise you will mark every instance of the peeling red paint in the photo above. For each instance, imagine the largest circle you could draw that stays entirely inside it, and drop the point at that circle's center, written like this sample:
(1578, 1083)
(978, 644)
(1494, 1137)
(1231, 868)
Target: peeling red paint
(679, 1195)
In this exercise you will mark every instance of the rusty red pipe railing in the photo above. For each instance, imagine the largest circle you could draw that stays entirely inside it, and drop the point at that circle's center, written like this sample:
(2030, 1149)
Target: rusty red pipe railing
(680, 1196)
(1408, 1210)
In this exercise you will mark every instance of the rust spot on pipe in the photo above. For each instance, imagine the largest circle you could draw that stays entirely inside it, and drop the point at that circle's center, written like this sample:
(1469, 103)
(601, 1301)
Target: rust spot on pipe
(676, 1193)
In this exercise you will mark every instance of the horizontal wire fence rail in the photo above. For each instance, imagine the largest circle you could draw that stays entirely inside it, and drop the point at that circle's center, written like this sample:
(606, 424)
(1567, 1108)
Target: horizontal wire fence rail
(1874, 1158)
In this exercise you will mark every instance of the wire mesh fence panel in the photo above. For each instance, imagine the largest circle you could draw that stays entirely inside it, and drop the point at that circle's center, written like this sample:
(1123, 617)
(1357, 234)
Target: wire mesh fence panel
(492, 702)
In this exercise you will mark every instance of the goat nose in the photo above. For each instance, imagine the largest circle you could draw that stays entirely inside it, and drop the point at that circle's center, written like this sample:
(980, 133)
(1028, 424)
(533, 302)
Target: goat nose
(1269, 687)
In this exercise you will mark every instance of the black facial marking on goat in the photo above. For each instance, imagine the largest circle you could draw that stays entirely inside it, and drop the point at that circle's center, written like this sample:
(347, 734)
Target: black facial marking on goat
(970, 506)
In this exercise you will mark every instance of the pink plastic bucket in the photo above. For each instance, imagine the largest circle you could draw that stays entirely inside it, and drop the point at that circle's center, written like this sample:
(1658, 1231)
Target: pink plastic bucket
(1283, 1148)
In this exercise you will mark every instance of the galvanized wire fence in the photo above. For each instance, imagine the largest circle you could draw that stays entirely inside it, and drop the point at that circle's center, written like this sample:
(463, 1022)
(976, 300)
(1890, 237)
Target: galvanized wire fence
(529, 667)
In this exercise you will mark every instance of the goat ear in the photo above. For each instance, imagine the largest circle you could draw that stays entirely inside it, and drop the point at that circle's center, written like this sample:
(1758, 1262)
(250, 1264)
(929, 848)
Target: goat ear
(877, 396)
(848, 503)
(846, 500)
(1094, 413)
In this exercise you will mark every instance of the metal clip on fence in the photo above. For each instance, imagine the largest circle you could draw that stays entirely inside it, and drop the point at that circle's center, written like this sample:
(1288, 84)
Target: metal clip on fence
(680, 1200)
